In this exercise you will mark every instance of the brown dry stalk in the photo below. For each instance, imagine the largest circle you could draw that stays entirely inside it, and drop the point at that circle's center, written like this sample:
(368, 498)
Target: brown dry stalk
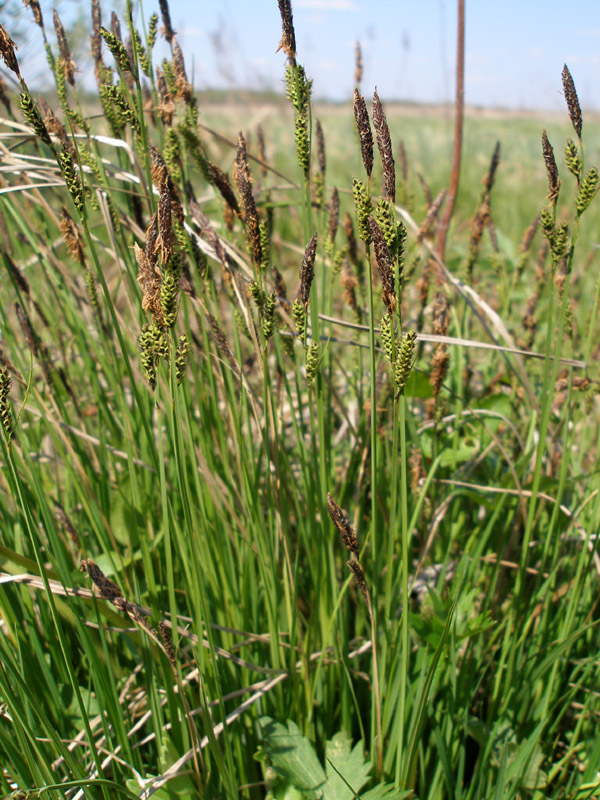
(440, 246)
(243, 179)
(361, 115)
(167, 30)
(551, 169)
(573, 106)
(384, 266)
(307, 270)
(288, 37)
(384, 144)
(72, 237)
(341, 522)
(358, 61)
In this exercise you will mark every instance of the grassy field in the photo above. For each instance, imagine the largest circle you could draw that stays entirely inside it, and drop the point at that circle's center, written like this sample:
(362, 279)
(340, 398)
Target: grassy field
(293, 504)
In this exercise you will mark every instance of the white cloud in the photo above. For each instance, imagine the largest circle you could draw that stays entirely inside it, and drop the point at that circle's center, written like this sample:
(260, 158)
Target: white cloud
(327, 5)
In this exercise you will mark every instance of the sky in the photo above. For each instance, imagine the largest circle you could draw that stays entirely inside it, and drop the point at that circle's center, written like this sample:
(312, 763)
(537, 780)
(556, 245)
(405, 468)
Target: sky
(515, 49)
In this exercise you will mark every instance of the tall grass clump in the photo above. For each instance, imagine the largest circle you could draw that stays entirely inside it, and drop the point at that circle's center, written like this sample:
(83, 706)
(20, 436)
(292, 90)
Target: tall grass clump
(297, 499)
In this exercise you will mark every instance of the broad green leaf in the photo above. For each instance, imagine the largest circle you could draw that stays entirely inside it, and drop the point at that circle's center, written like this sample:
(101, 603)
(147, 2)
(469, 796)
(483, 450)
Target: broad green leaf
(347, 770)
(293, 757)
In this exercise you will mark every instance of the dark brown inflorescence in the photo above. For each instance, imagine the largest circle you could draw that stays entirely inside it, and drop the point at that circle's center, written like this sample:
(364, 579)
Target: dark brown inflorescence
(361, 115)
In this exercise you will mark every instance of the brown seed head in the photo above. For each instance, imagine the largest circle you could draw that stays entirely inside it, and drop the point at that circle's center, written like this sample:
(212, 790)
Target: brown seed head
(361, 115)
(431, 216)
(72, 237)
(360, 580)
(167, 30)
(384, 266)
(36, 11)
(288, 38)
(67, 62)
(358, 61)
(440, 314)
(307, 270)
(95, 38)
(488, 181)
(182, 85)
(334, 213)
(166, 106)
(108, 589)
(243, 179)
(341, 522)
(320, 148)
(528, 235)
(220, 181)
(16, 273)
(573, 106)
(384, 143)
(551, 169)
(7, 51)
(351, 239)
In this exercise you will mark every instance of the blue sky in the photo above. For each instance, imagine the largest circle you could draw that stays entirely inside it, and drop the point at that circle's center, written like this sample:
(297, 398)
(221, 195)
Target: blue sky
(515, 49)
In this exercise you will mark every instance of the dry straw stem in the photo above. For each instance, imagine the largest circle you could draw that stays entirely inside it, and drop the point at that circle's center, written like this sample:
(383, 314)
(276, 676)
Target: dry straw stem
(361, 115)
(288, 38)
(384, 143)
(384, 266)
(551, 169)
(243, 179)
(307, 271)
(573, 106)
